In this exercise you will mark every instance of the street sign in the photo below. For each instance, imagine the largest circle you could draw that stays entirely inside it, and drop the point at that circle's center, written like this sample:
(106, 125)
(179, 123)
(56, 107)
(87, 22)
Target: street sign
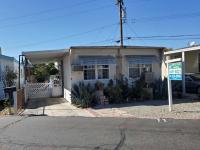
(175, 71)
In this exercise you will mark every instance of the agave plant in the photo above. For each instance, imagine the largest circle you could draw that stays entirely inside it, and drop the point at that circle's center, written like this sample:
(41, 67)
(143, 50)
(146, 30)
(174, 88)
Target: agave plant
(83, 95)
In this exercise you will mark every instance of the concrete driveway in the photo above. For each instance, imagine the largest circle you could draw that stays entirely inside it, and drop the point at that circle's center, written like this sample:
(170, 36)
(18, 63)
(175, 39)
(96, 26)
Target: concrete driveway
(53, 107)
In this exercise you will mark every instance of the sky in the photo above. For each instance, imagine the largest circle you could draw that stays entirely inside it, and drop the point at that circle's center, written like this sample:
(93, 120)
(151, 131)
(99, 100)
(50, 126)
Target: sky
(30, 25)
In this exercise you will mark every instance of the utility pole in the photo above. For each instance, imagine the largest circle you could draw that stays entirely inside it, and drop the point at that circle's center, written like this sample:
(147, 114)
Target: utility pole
(122, 14)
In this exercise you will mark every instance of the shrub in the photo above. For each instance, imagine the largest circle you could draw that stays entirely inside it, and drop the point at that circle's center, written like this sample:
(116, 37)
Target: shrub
(53, 71)
(117, 93)
(136, 90)
(9, 78)
(122, 84)
(83, 95)
(99, 86)
(109, 91)
(7, 103)
(160, 89)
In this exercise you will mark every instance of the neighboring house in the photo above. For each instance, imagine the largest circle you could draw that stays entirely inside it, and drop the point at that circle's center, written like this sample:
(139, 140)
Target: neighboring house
(12, 63)
(92, 63)
(190, 58)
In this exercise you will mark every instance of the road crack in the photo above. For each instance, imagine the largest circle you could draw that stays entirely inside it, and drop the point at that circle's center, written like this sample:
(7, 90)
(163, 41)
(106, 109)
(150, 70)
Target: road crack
(11, 124)
(122, 139)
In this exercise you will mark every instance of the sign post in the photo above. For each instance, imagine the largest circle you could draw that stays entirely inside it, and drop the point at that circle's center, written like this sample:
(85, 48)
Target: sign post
(174, 73)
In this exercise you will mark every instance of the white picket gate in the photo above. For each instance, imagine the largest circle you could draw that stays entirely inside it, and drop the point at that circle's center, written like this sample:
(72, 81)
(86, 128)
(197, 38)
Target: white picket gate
(38, 90)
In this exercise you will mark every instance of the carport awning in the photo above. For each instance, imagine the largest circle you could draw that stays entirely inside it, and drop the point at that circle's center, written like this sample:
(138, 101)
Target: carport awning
(142, 59)
(96, 60)
(36, 57)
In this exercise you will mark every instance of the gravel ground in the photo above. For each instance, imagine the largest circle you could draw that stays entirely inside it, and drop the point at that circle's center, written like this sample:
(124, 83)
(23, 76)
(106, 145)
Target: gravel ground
(182, 109)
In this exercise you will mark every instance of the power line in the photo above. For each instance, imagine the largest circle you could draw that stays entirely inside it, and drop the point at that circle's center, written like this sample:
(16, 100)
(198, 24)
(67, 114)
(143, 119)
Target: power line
(65, 37)
(167, 17)
(168, 39)
(46, 11)
(103, 41)
(166, 36)
(55, 17)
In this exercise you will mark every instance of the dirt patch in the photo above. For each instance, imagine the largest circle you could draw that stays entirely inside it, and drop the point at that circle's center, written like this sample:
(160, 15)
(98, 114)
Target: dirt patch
(182, 109)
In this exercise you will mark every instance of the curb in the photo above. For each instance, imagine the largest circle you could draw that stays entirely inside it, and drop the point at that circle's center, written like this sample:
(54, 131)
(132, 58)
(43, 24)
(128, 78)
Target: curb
(97, 115)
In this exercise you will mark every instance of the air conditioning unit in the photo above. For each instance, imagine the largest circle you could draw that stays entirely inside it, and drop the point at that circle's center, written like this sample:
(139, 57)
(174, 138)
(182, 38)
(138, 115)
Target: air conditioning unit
(77, 68)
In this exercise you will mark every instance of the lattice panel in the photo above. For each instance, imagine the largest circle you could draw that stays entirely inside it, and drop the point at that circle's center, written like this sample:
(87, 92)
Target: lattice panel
(39, 90)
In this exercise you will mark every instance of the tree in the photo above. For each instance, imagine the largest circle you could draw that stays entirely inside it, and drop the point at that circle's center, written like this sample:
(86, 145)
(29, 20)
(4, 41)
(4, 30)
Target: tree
(43, 71)
(9, 77)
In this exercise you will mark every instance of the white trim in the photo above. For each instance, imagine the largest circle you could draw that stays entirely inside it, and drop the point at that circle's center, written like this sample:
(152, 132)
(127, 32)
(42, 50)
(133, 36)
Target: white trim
(46, 52)
(173, 60)
(195, 48)
(96, 72)
(140, 69)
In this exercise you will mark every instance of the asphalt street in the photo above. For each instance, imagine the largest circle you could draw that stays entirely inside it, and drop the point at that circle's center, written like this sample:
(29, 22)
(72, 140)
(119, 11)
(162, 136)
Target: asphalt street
(80, 133)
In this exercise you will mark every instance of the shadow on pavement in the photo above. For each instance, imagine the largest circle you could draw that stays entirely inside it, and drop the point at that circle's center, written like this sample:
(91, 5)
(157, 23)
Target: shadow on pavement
(42, 102)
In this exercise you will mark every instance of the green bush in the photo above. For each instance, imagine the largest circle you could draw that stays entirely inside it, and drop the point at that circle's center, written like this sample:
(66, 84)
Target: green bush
(160, 89)
(99, 86)
(7, 103)
(53, 71)
(122, 84)
(83, 95)
(117, 92)
(136, 90)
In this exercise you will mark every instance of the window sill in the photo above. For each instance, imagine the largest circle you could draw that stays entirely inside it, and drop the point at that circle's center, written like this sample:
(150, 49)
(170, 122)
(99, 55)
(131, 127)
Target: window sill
(96, 79)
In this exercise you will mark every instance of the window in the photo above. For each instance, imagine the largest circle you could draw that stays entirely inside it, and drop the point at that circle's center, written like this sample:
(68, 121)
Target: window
(136, 70)
(89, 72)
(93, 72)
(103, 71)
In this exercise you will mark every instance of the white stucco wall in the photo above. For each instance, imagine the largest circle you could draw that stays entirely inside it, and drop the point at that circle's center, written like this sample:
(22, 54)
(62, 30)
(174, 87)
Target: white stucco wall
(78, 75)
(71, 77)
(67, 77)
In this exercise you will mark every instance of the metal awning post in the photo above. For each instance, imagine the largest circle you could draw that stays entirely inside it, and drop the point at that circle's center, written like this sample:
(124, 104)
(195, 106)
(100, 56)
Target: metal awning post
(19, 71)
(183, 73)
(169, 86)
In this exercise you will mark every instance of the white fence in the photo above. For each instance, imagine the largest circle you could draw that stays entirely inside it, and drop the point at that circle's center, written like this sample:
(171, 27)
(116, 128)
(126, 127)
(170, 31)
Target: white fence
(38, 90)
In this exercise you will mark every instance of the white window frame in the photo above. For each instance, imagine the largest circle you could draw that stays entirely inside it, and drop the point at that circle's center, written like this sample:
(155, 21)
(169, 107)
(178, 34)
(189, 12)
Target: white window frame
(96, 72)
(103, 68)
(84, 69)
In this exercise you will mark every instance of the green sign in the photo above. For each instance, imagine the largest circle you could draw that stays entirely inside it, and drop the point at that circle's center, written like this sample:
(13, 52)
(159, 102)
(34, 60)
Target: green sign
(175, 71)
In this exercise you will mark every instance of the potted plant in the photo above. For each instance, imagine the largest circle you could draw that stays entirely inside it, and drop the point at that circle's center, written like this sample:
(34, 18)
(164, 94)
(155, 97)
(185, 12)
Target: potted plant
(99, 86)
